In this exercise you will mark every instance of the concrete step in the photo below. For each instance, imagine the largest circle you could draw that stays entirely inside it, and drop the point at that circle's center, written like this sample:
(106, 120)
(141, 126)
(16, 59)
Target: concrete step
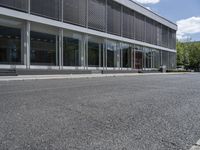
(8, 72)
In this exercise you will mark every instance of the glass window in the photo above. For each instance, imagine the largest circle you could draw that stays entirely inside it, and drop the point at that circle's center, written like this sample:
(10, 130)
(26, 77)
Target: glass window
(71, 51)
(49, 9)
(156, 58)
(138, 57)
(147, 57)
(43, 49)
(74, 11)
(43, 45)
(10, 45)
(113, 51)
(95, 52)
(165, 58)
(172, 60)
(126, 55)
(15, 4)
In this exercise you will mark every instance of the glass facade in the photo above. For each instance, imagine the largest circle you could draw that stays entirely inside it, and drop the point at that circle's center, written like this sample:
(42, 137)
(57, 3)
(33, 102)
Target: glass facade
(72, 45)
(95, 52)
(113, 54)
(10, 45)
(11, 41)
(43, 45)
(147, 57)
(165, 58)
(55, 46)
(138, 57)
(126, 56)
(156, 58)
(43, 49)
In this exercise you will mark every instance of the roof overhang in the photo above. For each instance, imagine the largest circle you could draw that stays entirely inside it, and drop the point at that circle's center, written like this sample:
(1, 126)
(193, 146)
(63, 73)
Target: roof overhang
(141, 9)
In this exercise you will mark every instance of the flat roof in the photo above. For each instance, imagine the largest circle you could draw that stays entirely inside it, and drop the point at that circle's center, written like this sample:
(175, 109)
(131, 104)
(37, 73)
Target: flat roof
(146, 12)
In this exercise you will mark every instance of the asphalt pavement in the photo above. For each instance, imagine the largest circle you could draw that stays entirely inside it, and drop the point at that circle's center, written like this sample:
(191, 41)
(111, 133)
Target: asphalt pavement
(152, 112)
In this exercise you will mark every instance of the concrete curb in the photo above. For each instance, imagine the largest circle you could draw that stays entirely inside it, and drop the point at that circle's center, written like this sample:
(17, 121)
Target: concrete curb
(46, 77)
(196, 146)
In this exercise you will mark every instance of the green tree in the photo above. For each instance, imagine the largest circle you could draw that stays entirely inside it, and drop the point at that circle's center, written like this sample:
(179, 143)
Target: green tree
(188, 54)
(182, 54)
(194, 54)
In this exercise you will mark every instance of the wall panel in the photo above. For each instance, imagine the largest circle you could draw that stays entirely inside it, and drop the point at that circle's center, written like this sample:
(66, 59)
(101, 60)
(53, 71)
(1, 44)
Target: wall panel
(15, 4)
(49, 9)
(113, 17)
(97, 14)
(74, 11)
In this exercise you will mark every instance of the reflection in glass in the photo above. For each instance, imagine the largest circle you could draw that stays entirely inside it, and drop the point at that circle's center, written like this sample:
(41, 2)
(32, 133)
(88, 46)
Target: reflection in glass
(71, 52)
(93, 54)
(172, 61)
(10, 45)
(126, 56)
(165, 58)
(43, 49)
(112, 51)
(147, 57)
(138, 57)
(156, 59)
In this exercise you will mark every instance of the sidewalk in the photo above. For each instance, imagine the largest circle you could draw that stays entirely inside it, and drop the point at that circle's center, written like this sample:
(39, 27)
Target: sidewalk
(75, 76)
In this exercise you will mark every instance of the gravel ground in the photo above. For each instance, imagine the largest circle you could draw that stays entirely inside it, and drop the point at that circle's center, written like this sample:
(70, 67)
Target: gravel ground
(160, 112)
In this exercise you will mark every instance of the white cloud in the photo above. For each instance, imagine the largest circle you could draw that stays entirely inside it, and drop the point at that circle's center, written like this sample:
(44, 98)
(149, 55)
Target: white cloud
(147, 1)
(187, 27)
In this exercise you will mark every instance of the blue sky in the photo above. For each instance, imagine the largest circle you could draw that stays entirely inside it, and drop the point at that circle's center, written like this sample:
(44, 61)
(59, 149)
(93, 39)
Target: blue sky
(186, 13)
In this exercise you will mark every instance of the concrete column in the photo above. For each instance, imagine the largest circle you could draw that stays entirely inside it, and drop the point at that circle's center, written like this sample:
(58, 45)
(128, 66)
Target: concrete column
(60, 49)
(27, 45)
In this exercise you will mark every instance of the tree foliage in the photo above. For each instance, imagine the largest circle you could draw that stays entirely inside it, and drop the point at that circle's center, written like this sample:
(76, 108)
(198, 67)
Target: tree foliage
(188, 54)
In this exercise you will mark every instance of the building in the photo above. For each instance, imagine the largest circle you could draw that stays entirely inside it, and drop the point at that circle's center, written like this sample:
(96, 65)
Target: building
(84, 35)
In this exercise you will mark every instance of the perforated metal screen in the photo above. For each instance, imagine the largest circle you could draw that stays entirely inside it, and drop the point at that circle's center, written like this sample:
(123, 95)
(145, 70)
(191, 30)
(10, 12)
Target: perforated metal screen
(74, 11)
(97, 14)
(46, 8)
(149, 30)
(113, 17)
(165, 36)
(128, 23)
(139, 27)
(102, 15)
(16, 4)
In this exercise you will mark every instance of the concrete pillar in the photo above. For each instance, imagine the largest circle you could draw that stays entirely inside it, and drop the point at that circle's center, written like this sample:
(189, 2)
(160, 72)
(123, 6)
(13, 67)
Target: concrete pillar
(27, 45)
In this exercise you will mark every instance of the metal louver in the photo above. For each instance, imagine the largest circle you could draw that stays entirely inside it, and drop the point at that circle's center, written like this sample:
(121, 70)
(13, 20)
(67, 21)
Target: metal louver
(15, 4)
(97, 14)
(113, 17)
(49, 9)
(128, 23)
(74, 11)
